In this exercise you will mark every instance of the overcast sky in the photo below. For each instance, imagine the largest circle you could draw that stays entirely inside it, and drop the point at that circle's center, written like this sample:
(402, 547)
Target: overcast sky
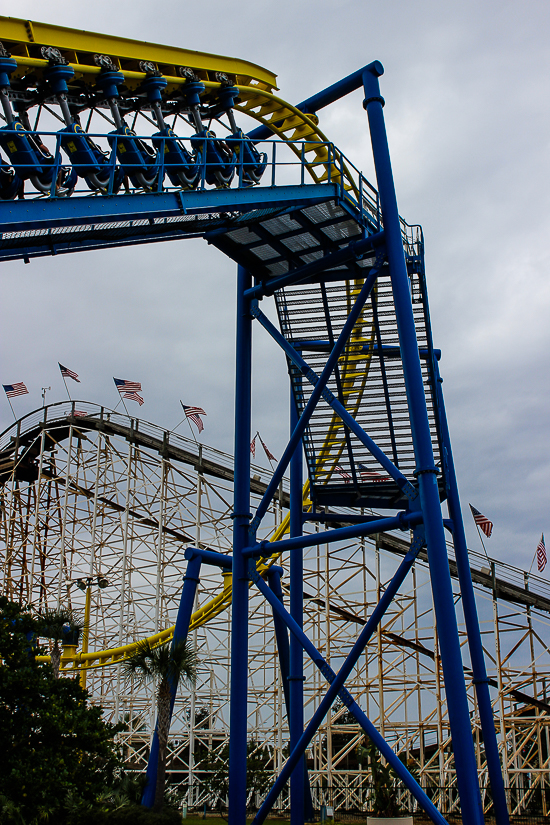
(467, 112)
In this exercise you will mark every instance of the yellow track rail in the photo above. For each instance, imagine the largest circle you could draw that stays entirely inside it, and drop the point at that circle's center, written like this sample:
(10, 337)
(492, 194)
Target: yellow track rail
(24, 39)
(204, 614)
(353, 383)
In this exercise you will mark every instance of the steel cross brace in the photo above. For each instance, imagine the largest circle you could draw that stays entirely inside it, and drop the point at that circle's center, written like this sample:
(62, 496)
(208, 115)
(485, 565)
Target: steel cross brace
(181, 629)
(336, 688)
(426, 472)
(320, 389)
(402, 521)
(477, 657)
(356, 249)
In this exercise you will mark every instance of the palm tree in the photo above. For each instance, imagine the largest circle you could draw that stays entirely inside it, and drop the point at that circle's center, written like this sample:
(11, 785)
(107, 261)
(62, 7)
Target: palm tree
(62, 625)
(168, 666)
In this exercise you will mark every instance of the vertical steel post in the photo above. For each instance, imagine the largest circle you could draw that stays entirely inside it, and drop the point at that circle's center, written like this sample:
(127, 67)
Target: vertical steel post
(88, 603)
(62, 554)
(475, 646)
(296, 676)
(122, 599)
(241, 520)
(426, 471)
(86, 632)
(181, 629)
(274, 574)
(159, 547)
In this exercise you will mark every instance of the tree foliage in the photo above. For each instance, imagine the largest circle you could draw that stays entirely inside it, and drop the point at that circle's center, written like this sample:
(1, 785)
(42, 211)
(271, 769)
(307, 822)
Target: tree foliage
(55, 747)
(167, 666)
(384, 780)
(259, 774)
(61, 625)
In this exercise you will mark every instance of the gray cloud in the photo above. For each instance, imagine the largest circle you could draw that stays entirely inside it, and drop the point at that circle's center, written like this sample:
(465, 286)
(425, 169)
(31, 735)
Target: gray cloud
(467, 115)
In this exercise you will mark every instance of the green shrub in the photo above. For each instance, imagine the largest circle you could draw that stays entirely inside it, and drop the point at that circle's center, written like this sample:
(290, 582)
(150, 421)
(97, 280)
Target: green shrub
(143, 816)
(127, 815)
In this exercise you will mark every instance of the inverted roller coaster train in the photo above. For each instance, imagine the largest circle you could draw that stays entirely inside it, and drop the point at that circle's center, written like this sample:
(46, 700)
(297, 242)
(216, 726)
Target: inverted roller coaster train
(347, 274)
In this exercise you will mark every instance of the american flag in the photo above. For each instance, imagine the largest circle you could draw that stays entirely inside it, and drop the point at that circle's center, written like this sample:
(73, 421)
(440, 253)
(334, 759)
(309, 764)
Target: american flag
(482, 522)
(253, 446)
(127, 386)
(541, 554)
(67, 373)
(12, 390)
(133, 396)
(371, 475)
(78, 414)
(269, 455)
(345, 475)
(193, 413)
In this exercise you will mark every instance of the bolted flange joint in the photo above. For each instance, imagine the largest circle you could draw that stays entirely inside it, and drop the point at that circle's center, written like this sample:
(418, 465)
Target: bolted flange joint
(423, 470)
(378, 99)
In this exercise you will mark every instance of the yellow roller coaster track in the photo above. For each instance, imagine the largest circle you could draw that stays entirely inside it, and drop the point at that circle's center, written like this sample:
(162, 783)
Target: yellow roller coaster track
(24, 39)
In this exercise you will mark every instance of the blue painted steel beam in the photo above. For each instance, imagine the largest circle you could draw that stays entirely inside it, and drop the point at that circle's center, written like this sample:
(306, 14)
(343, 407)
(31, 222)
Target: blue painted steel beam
(457, 701)
(187, 600)
(337, 689)
(88, 244)
(318, 101)
(402, 521)
(241, 517)
(296, 676)
(274, 574)
(210, 557)
(395, 352)
(317, 390)
(43, 213)
(346, 518)
(469, 607)
(355, 250)
(320, 389)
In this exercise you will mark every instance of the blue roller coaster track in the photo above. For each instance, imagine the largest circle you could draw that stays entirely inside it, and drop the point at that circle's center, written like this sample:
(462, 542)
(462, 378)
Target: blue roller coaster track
(347, 275)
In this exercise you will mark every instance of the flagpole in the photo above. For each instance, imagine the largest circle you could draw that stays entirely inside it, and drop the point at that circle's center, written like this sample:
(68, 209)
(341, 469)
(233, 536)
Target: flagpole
(121, 398)
(535, 556)
(271, 460)
(190, 427)
(192, 433)
(66, 387)
(13, 411)
(252, 442)
(481, 540)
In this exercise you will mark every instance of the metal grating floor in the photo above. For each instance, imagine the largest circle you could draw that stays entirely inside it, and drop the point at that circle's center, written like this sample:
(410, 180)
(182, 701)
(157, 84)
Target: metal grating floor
(369, 379)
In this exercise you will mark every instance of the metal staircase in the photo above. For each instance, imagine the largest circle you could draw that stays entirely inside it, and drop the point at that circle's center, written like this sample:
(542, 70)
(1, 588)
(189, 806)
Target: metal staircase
(348, 279)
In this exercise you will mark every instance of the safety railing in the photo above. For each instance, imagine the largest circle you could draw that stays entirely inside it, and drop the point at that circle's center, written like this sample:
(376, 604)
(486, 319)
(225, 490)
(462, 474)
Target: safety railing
(50, 175)
(89, 415)
(85, 414)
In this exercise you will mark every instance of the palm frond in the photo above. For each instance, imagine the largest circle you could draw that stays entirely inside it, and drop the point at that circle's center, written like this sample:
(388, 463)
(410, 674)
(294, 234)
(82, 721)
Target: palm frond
(175, 664)
(61, 624)
(140, 663)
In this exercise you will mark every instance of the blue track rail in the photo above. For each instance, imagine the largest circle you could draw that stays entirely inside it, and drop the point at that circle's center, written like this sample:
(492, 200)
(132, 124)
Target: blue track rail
(349, 284)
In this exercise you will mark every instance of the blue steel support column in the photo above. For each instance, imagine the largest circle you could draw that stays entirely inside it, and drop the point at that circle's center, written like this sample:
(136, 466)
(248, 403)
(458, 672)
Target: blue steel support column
(187, 600)
(481, 681)
(453, 673)
(274, 574)
(296, 677)
(241, 518)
